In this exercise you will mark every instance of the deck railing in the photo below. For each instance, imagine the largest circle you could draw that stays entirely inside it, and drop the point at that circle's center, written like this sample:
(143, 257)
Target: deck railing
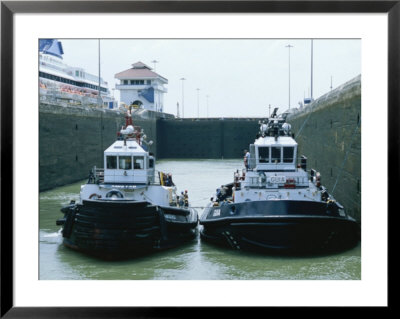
(96, 176)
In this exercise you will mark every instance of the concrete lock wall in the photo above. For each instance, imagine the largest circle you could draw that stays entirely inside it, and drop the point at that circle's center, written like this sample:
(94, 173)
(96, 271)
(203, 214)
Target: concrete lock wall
(205, 138)
(329, 135)
(72, 140)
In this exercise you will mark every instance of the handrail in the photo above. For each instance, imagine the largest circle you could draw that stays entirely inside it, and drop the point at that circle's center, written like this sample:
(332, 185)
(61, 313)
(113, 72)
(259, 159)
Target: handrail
(253, 161)
(97, 176)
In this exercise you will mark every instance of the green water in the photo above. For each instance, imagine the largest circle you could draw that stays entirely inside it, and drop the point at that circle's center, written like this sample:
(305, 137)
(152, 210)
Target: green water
(194, 260)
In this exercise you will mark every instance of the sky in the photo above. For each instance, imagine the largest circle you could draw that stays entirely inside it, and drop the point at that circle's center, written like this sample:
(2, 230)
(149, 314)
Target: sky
(241, 77)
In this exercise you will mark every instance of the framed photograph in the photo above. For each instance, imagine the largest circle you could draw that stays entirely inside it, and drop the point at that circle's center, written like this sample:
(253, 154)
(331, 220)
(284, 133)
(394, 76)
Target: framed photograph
(227, 63)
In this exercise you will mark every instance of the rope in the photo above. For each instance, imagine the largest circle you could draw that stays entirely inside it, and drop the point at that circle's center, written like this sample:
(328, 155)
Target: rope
(345, 157)
(305, 121)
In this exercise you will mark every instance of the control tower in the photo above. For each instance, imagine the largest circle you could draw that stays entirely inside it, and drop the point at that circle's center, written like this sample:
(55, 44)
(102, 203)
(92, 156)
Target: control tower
(141, 87)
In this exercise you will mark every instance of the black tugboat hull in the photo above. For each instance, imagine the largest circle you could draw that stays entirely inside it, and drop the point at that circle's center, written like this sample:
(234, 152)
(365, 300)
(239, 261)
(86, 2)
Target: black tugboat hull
(119, 229)
(279, 229)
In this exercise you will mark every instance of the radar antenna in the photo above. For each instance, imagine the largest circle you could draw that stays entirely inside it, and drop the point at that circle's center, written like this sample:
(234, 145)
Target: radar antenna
(275, 126)
(274, 112)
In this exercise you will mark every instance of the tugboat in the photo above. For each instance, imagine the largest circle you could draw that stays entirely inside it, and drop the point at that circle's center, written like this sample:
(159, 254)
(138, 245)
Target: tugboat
(275, 205)
(126, 209)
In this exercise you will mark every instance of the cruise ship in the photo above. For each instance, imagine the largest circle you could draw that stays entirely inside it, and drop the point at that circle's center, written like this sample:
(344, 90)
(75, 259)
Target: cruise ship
(69, 85)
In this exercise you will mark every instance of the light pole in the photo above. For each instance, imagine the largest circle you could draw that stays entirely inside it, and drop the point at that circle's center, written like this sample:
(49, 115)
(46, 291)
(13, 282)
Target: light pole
(207, 96)
(99, 78)
(289, 46)
(183, 107)
(198, 103)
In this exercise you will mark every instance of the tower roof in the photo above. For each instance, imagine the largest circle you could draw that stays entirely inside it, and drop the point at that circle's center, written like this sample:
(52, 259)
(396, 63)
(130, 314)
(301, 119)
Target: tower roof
(139, 70)
(140, 65)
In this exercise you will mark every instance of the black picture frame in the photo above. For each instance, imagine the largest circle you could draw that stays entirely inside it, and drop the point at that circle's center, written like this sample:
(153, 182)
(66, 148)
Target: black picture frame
(9, 8)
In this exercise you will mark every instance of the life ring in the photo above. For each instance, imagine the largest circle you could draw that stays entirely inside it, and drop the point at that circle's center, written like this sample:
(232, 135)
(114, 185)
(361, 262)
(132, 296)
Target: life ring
(115, 193)
(94, 196)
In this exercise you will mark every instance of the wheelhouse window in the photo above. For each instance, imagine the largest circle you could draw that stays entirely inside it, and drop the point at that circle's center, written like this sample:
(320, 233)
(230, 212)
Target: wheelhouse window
(111, 162)
(125, 162)
(288, 153)
(275, 154)
(138, 162)
(263, 154)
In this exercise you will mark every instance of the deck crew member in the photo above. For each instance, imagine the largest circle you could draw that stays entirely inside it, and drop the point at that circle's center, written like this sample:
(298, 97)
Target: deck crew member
(186, 198)
(224, 192)
(246, 159)
(181, 200)
(236, 179)
(219, 194)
